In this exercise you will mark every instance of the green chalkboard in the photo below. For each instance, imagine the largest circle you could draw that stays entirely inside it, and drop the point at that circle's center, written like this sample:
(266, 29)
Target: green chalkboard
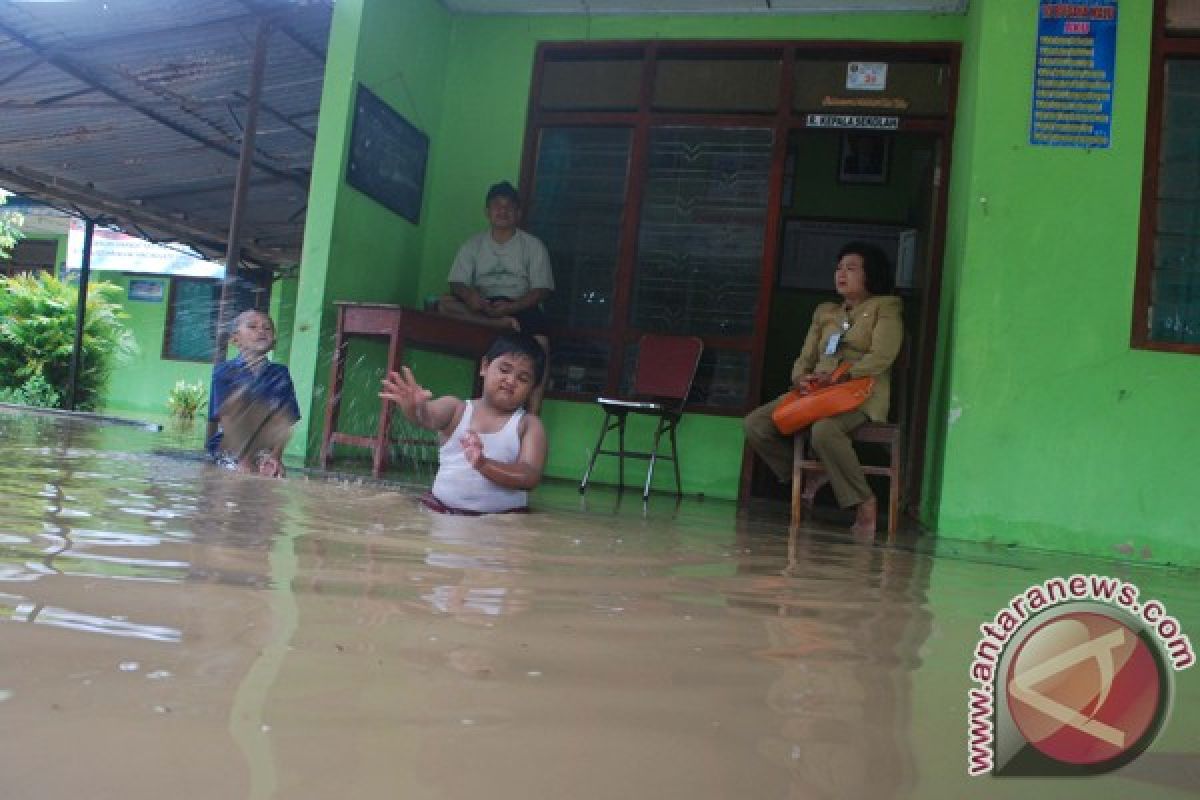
(387, 156)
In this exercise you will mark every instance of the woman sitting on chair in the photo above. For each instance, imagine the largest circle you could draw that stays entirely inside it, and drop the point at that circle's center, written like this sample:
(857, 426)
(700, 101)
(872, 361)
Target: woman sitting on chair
(864, 329)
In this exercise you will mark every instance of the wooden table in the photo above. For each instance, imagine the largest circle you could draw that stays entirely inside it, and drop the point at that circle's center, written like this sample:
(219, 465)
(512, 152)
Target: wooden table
(400, 326)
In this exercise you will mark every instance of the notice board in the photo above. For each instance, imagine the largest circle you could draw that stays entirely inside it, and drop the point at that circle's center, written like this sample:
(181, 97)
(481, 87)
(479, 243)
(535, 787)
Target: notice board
(387, 156)
(1074, 73)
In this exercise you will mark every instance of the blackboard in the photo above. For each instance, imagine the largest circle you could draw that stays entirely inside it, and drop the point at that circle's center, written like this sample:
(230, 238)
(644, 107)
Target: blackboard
(387, 156)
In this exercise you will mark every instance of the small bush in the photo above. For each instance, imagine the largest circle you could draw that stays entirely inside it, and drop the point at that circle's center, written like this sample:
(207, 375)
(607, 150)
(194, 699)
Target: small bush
(37, 331)
(34, 392)
(186, 399)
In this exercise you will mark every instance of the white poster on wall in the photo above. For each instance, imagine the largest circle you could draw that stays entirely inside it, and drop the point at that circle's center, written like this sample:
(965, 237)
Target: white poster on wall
(113, 251)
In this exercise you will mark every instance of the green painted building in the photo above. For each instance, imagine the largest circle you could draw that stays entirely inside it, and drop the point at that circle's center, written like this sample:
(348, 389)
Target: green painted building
(1050, 402)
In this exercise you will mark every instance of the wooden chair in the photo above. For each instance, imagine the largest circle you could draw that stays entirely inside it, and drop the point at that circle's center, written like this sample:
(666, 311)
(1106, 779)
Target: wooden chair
(808, 473)
(666, 368)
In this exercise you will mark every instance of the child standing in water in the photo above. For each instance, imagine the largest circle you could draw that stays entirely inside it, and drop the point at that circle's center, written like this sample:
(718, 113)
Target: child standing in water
(253, 401)
(492, 451)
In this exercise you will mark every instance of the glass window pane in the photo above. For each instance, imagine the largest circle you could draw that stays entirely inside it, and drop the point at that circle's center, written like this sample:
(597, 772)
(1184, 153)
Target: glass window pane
(1183, 16)
(578, 366)
(190, 332)
(612, 84)
(1175, 287)
(192, 320)
(717, 85)
(577, 210)
(700, 241)
(722, 378)
(912, 89)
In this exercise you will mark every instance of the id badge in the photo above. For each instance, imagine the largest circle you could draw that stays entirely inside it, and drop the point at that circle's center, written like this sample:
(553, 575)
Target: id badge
(832, 345)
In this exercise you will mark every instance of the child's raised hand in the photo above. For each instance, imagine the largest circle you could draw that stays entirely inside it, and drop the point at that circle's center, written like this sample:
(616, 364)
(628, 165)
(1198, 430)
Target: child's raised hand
(403, 390)
(473, 449)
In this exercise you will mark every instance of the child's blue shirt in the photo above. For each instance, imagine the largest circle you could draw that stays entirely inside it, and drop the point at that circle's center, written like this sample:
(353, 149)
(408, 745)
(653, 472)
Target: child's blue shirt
(272, 383)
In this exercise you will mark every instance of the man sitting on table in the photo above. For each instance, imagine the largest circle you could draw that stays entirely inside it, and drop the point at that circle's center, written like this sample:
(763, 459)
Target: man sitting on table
(501, 276)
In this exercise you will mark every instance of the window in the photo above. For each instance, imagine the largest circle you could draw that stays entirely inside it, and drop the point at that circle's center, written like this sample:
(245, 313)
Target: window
(650, 185)
(30, 255)
(651, 169)
(1167, 298)
(190, 331)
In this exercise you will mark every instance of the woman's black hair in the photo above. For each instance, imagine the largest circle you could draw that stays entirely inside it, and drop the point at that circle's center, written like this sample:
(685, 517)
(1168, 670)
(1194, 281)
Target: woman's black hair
(878, 269)
(520, 344)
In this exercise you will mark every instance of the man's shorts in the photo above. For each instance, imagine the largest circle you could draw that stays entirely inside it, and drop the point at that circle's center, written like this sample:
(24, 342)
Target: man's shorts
(532, 320)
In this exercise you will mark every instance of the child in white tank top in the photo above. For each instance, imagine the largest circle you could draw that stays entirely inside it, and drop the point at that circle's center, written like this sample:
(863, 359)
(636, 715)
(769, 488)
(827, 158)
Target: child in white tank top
(492, 451)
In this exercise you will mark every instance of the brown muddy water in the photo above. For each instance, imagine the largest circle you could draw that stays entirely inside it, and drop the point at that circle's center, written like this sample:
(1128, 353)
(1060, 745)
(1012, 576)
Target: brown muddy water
(168, 630)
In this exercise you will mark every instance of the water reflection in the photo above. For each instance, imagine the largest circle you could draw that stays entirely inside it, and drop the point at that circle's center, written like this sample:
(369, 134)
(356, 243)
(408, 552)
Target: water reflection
(477, 559)
(14, 608)
(187, 632)
(842, 625)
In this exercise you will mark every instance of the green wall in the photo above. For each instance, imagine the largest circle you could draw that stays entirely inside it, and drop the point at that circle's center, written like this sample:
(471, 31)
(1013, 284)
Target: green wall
(142, 383)
(354, 248)
(488, 77)
(1056, 433)
(1037, 289)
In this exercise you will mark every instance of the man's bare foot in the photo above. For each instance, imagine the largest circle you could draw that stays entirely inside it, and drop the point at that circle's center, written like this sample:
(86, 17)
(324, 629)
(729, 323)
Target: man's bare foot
(865, 520)
(453, 307)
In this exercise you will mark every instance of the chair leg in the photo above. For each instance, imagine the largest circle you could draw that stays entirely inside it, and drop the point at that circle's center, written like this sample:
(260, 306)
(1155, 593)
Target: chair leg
(653, 457)
(587, 473)
(797, 479)
(621, 453)
(894, 495)
(675, 459)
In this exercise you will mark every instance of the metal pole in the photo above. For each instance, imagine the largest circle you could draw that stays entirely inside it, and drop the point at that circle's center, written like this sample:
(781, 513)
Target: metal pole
(233, 250)
(85, 270)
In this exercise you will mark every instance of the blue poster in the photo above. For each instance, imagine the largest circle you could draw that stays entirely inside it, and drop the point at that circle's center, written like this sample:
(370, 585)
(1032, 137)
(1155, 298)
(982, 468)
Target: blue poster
(1073, 78)
(145, 291)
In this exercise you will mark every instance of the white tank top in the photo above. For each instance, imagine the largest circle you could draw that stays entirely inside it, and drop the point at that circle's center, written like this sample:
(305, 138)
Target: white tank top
(459, 485)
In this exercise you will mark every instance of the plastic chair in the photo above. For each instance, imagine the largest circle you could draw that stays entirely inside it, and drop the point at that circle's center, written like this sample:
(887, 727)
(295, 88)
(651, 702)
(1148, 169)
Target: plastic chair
(666, 368)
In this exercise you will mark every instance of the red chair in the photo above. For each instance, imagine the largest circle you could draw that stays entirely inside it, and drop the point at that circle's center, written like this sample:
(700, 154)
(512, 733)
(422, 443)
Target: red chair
(666, 367)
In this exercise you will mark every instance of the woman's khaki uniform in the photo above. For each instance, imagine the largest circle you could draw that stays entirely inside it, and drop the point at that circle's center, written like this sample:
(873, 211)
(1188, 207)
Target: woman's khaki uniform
(871, 335)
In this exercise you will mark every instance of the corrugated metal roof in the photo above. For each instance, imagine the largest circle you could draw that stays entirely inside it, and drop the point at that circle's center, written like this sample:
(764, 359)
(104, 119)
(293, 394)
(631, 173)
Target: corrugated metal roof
(132, 110)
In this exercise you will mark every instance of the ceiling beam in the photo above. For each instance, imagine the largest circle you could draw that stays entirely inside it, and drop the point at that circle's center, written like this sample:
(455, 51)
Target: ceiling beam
(211, 238)
(277, 17)
(279, 115)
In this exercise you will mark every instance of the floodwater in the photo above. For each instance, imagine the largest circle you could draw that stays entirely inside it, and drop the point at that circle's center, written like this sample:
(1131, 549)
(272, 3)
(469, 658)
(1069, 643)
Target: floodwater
(169, 630)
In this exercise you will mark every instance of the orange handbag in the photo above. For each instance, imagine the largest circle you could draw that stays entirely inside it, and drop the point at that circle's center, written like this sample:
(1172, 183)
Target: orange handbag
(802, 407)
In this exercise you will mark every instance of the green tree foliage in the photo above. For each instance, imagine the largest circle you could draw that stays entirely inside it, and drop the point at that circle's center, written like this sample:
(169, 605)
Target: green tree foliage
(34, 392)
(10, 228)
(37, 329)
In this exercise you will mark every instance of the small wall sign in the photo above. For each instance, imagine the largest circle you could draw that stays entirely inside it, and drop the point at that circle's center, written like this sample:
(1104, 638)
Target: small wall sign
(868, 76)
(144, 291)
(854, 121)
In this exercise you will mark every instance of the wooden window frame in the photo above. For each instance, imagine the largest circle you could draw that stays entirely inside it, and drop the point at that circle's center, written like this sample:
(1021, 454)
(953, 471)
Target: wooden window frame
(1165, 47)
(783, 121)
